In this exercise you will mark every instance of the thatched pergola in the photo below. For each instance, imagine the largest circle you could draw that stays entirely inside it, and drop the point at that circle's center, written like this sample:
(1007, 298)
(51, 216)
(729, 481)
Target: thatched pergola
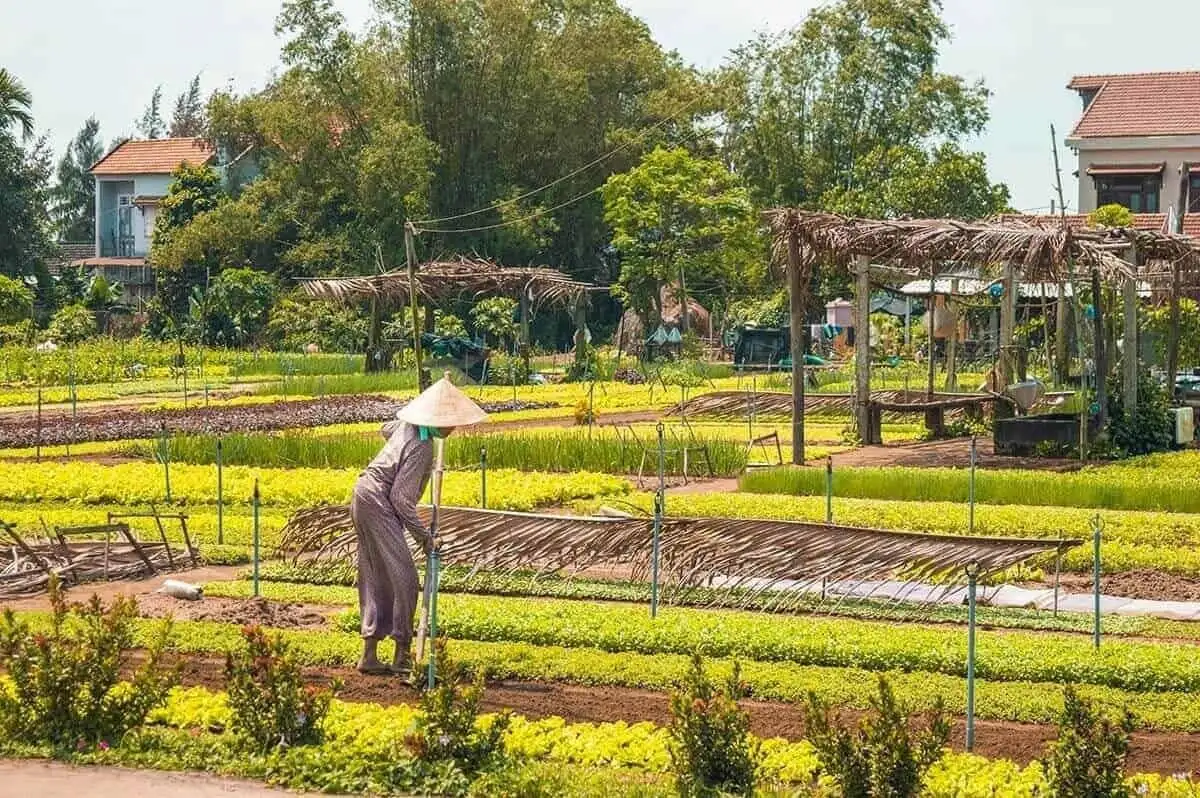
(1040, 252)
(437, 281)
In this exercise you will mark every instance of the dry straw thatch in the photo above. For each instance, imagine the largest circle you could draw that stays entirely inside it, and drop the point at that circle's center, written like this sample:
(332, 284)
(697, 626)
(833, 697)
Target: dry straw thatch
(1042, 251)
(440, 280)
(748, 558)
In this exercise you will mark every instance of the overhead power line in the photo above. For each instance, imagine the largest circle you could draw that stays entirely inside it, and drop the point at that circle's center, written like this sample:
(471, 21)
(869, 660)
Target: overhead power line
(635, 140)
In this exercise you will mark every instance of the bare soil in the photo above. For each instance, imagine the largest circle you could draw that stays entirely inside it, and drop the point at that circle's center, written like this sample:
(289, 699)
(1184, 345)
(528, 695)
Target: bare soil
(1139, 584)
(243, 612)
(952, 453)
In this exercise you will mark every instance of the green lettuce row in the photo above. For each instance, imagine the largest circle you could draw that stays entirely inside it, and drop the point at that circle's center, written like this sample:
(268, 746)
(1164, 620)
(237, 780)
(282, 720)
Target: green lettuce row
(1161, 483)
(333, 584)
(1024, 701)
(807, 640)
(139, 484)
(363, 753)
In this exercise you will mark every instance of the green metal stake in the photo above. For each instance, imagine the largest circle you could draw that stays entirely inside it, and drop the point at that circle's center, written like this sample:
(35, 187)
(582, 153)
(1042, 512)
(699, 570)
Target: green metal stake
(165, 455)
(971, 491)
(254, 502)
(434, 577)
(659, 509)
(39, 425)
(829, 489)
(972, 575)
(483, 477)
(1097, 527)
(220, 490)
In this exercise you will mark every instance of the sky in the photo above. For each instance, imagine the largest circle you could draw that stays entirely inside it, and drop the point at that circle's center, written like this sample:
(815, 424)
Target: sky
(86, 57)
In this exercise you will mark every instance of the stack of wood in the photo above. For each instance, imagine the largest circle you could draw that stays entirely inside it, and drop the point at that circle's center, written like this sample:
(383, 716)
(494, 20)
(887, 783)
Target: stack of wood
(26, 564)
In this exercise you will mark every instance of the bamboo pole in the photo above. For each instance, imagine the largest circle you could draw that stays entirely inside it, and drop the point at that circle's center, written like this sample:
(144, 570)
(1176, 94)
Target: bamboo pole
(1173, 331)
(862, 348)
(1101, 358)
(1129, 358)
(796, 333)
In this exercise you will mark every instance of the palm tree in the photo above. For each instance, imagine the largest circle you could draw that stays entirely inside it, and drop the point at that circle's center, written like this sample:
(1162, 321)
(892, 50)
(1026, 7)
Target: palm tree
(15, 102)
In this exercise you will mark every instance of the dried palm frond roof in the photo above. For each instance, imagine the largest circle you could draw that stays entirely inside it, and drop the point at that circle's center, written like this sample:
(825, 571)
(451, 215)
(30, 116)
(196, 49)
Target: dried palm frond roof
(746, 556)
(1041, 250)
(438, 280)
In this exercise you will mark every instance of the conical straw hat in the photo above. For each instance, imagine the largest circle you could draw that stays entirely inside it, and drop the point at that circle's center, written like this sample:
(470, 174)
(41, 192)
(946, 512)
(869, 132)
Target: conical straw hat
(442, 405)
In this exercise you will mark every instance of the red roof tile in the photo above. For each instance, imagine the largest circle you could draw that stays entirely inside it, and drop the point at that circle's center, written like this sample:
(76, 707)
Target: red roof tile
(155, 157)
(110, 262)
(1191, 225)
(1140, 104)
(1141, 221)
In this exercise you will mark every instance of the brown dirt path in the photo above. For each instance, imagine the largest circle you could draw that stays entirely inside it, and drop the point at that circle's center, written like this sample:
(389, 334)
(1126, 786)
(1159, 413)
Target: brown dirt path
(56, 780)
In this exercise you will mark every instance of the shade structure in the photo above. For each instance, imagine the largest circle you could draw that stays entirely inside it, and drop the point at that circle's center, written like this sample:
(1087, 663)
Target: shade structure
(747, 557)
(442, 405)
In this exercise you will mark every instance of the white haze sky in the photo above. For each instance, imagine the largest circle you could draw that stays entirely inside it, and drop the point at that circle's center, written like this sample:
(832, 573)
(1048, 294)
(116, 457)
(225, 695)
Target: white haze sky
(104, 57)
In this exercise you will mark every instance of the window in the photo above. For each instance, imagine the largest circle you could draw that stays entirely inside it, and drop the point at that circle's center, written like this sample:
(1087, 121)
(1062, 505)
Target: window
(1193, 204)
(1138, 193)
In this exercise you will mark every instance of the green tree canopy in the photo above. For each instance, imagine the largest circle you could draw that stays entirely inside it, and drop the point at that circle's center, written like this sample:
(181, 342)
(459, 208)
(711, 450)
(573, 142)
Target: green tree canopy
(74, 192)
(678, 219)
(855, 80)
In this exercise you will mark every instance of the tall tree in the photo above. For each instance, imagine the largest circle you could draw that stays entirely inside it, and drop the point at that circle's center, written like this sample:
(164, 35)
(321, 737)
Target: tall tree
(15, 104)
(25, 241)
(856, 79)
(74, 192)
(193, 191)
(151, 124)
(189, 118)
(682, 221)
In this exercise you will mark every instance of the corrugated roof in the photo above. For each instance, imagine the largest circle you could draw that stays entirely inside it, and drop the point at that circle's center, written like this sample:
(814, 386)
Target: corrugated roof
(153, 157)
(1140, 104)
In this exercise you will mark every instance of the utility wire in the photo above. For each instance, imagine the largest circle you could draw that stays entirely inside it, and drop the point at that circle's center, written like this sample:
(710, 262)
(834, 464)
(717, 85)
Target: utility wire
(498, 225)
(417, 228)
(635, 140)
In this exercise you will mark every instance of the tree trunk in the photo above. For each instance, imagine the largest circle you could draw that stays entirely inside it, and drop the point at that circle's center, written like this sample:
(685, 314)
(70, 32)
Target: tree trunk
(1100, 356)
(1129, 357)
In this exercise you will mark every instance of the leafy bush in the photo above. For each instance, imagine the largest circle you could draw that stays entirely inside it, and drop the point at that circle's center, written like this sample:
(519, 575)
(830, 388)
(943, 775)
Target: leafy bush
(507, 370)
(73, 324)
(711, 748)
(881, 759)
(1111, 215)
(270, 705)
(295, 323)
(236, 309)
(1088, 758)
(494, 319)
(449, 729)
(16, 301)
(66, 687)
(1149, 428)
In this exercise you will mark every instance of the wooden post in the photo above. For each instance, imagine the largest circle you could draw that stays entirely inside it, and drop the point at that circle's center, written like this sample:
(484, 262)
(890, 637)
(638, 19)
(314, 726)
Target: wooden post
(862, 347)
(796, 333)
(1129, 358)
(411, 252)
(1062, 363)
(952, 340)
(1173, 332)
(929, 323)
(1100, 355)
(581, 303)
(684, 324)
(1008, 325)
(524, 345)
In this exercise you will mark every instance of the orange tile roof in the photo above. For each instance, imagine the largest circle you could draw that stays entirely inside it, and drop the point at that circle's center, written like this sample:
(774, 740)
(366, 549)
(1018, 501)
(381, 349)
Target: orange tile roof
(1191, 225)
(1140, 104)
(154, 157)
(1141, 221)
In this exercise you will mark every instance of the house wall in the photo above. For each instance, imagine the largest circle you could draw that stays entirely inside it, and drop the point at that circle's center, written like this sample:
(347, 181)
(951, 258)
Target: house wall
(107, 190)
(1172, 176)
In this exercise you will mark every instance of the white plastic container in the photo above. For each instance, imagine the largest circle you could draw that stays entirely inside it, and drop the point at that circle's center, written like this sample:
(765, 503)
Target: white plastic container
(182, 590)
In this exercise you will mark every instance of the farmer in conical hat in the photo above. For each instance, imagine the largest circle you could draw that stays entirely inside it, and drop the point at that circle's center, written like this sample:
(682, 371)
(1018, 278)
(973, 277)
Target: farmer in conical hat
(384, 505)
